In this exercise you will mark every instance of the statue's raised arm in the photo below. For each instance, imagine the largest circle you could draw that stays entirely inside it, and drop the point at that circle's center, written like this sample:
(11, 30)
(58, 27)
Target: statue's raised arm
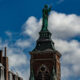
(46, 11)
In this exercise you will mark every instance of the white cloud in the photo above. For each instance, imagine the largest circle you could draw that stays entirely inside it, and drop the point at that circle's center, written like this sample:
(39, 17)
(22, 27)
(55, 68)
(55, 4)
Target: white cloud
(31, 27)
(20, 57)
(23, 43)
(18, 61)
(70, 57)
(62, 27)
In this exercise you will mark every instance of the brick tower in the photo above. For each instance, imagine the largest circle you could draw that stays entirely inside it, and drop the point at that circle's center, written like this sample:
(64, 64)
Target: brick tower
(45, 59)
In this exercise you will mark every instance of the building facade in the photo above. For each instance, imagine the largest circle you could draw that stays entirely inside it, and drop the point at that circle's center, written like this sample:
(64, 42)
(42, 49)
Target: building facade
(5, 74)
(45, 59)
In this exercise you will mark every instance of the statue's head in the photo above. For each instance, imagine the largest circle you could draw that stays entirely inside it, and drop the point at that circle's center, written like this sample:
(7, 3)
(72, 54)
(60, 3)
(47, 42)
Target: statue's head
(46, 6)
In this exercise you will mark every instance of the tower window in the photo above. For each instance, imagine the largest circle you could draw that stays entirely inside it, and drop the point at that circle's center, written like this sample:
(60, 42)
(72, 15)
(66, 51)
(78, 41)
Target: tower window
(43, 74)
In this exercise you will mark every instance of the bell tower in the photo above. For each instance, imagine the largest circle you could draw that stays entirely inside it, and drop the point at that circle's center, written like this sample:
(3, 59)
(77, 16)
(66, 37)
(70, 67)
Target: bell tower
(45, 59)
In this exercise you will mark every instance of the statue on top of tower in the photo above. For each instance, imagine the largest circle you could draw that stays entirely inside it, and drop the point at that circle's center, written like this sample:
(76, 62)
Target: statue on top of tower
(45, 11)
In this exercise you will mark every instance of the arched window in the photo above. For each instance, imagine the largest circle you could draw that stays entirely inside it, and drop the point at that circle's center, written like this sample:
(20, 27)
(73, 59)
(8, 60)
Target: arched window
(43, 73)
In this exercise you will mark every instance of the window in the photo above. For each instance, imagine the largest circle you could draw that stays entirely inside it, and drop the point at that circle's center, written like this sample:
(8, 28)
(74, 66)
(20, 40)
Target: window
(43, 74)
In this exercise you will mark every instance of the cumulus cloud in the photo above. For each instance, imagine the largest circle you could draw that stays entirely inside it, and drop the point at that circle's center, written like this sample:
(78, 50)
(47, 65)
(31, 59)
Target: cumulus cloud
(21, 60)
(31, 26)
(62, 27)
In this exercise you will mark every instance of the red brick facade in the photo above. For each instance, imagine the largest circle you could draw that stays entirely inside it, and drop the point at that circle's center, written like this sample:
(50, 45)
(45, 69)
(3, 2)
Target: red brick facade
(47, 58)
(8, 75)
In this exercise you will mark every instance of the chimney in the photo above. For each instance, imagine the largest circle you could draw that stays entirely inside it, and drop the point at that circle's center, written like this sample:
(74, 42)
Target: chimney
(5, 52)
(5, 63)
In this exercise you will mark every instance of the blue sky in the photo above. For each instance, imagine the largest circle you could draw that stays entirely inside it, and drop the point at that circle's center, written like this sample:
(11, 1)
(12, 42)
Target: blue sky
(20, 22)
(13, 13)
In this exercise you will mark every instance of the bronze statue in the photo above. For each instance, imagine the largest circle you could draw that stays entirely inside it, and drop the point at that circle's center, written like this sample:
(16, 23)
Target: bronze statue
(46, 11)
